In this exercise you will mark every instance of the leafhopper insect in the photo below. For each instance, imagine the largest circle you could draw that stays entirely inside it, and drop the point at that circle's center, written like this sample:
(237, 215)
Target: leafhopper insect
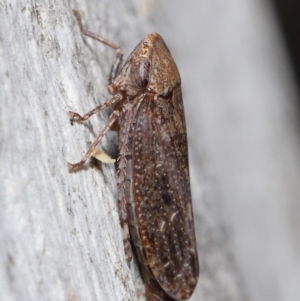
(154, 196)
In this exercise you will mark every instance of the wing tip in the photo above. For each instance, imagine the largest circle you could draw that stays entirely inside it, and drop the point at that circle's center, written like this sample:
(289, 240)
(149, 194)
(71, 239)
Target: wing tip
(155, 293)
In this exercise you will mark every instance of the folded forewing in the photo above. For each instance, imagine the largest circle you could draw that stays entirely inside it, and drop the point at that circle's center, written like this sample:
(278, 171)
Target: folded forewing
(161, 189)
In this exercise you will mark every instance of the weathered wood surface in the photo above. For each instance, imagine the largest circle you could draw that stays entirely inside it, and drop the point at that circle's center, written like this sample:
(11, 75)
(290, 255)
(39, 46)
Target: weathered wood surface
(60, 232)
(60, 237)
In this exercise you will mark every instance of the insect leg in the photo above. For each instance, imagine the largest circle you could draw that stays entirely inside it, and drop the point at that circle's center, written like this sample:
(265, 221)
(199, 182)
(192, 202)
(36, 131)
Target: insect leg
(125, 227)
(116, 67)
(124, 205)
(76, 117)
(113, 117)
(93, 35)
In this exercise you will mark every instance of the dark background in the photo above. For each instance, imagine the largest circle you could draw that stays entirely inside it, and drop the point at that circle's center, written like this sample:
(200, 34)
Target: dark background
(288, 13)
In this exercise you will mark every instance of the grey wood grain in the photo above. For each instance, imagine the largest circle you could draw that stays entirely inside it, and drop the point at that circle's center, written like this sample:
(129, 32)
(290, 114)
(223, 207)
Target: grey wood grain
(60, 236)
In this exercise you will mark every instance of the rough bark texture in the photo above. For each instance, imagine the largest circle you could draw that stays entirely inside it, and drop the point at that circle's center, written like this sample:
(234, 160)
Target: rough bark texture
(60, 237)
(60, 234)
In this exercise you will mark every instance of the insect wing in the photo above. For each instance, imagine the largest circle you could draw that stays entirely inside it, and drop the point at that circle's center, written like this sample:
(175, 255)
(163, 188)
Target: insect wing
(161, 190)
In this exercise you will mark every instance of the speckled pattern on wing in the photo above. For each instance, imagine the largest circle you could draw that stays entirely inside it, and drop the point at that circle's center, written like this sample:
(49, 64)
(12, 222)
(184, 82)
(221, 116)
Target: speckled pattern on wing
(153, 172)
(161, 191)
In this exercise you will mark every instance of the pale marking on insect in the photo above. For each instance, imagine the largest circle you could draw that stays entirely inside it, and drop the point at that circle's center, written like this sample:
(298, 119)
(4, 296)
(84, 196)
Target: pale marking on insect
(162, 226)
(167, 264)
(173, 215)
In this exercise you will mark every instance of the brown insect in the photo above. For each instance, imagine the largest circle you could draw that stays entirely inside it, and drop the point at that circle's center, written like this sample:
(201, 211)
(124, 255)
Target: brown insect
(153, 176)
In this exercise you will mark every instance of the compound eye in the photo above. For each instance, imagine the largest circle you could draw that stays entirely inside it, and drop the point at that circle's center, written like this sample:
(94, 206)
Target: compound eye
(140, 72)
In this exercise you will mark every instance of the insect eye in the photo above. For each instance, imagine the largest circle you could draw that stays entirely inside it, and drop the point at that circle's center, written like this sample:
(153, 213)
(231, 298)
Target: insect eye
(140, 73)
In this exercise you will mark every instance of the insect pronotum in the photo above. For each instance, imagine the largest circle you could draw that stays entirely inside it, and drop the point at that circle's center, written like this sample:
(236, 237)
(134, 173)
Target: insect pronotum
(154, 196)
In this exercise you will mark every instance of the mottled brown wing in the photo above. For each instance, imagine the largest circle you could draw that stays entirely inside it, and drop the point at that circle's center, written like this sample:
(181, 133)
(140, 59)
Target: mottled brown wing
(161, 190)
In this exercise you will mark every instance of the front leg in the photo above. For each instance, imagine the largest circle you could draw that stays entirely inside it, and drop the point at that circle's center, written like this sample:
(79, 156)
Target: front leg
(113, 118)
(77, 117)
(118, 61)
